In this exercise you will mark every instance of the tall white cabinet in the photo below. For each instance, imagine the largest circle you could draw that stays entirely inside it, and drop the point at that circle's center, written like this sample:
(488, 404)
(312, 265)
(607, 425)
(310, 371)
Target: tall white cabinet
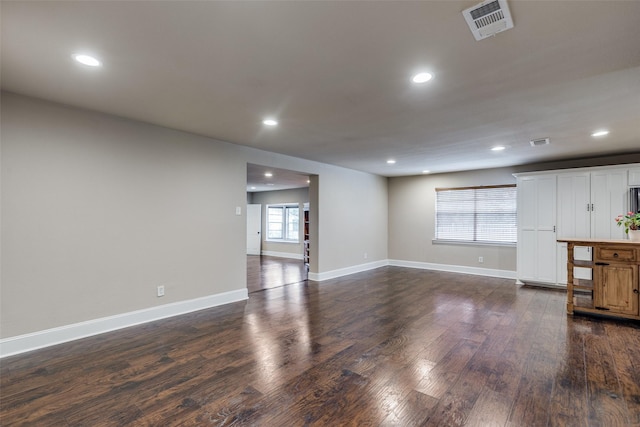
(573, 203)
(537, 228)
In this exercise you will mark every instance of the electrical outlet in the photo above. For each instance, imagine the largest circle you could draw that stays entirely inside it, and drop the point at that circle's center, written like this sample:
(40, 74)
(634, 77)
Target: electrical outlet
(160, 291)
(480, 259)
(366, 255)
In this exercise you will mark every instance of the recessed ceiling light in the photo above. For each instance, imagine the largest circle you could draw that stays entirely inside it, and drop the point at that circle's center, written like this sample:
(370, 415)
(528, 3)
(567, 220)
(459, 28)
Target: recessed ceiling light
(391, 162)
(425, 171)
(270, 184)
(308, 181)
(602, 132)
(422, 77)
(499, 148)
(270, 122)
(268, 174)
(86, 60)
(253, 188)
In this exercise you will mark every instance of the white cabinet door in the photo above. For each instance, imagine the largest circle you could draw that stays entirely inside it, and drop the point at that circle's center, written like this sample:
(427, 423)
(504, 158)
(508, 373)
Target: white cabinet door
(634, 177)
(574, 215)
(527, 256)
(546, 211)
(527, 228)
(537, 228)
(609, 199)
(574, 206)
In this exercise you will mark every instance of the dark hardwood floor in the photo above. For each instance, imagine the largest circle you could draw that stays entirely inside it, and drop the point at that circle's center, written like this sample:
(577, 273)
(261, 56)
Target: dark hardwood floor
(266, 272)
(392, 346)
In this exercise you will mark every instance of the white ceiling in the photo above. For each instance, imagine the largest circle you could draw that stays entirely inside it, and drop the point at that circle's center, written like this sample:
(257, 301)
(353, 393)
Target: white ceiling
(280, 179)
(337, 76)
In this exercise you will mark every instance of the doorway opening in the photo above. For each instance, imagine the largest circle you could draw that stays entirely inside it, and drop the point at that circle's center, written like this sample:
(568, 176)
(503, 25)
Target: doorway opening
(279, 227)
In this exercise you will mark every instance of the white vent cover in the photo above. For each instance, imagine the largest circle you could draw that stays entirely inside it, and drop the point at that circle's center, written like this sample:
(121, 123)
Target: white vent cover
(488, 18)
(539, 142)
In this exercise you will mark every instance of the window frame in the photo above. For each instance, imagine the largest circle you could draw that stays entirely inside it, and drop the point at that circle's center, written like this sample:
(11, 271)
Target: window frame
(286, 237)
(476, 214)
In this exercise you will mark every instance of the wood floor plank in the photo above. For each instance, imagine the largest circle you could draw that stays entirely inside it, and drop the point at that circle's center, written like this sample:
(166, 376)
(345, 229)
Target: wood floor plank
(626, 356)
(391, 346)
(605, 397)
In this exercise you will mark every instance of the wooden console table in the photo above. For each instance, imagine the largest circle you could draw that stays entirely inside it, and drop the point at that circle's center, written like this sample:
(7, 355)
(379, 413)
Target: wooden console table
(602, 277)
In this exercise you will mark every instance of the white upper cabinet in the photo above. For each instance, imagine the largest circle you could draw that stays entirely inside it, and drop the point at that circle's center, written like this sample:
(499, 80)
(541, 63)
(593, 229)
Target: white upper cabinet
(589, 202)
(634, 177)
(609, 194)
(574, 205)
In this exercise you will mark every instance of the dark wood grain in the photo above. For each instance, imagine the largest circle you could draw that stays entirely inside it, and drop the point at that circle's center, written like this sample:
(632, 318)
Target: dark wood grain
(392, 346)
(267, 272)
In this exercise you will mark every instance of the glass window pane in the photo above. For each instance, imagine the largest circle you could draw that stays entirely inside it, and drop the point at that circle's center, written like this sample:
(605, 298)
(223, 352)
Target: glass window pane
(274, 222)
(292, 223)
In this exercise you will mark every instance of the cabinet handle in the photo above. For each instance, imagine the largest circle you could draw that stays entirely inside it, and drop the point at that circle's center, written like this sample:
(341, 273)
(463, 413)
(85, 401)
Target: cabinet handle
(615, 255)
(588, 207)
(601, 263)
(602, 308)
(635, 291)
(591, 206)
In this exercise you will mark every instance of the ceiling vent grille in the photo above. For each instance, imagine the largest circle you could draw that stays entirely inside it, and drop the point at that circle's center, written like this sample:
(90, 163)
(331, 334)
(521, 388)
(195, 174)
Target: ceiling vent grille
(488, 18)
(539, 142)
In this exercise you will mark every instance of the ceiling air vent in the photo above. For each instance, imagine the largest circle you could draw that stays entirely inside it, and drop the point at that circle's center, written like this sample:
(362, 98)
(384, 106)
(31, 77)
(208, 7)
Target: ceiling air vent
(539, 142)
(488, 18)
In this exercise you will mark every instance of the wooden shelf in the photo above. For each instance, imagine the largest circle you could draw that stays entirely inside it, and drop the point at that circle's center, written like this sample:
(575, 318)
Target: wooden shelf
(587, 264)
(583, 284)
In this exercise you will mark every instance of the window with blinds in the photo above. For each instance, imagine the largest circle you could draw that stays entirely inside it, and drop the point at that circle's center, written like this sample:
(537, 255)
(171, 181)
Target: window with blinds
(283, 223)
(477, 214)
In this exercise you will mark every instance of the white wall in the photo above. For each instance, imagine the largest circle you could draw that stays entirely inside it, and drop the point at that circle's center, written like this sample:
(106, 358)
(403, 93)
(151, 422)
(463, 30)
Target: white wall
(298, 196)
(353, 210)
(97, 211)
(412, 221)
(412, 214)
(350, 212)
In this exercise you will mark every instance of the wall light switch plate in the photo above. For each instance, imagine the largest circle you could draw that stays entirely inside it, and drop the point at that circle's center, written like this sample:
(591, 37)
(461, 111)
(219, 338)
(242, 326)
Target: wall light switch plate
(160, 291)
(238, 210)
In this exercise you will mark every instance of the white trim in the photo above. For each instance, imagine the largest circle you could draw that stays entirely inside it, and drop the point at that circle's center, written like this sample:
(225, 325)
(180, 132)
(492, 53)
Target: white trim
(41, 339)
(282, 254)
(541, 284)
(489, 272)
(319, 277)
(580, 169)
(472, 243)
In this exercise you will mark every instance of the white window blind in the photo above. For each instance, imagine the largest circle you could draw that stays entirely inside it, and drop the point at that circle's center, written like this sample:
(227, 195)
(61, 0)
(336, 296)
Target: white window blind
(477, 214)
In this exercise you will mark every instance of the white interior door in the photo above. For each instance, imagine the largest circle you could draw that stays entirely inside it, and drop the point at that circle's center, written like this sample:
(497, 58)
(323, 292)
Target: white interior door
(254, 229)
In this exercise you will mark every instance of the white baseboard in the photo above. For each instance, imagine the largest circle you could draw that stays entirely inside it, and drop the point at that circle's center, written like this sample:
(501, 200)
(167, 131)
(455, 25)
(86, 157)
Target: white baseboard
(542, 284)
(318, 277)
(489, 272)
(41, 339)
(282, 255)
